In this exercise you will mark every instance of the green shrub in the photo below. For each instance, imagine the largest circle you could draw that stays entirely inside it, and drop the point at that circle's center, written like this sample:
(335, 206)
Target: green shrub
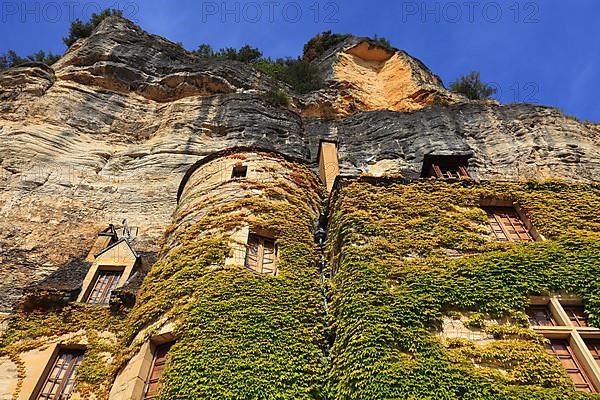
(321, 43)
(80, 29)
(277, 97)
(471, 86)
(12, 59)
(381, 41)
(245, 54)
(299, 74)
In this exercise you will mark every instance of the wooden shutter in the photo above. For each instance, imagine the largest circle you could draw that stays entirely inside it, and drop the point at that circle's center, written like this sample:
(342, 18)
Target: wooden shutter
(159, 362)
(261, 255)
(562, 350)
(540, 316)
(253, 253)
(61, 378)
(105, 283)
(463, 172)
(594, 347)
(437, 172)
(576, 315)
(507, 225)
(268, 257)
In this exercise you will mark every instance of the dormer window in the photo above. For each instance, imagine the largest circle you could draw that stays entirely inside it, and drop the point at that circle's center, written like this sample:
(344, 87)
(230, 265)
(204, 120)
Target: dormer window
(106, 281)
(261, 256)
(239, 172)
(445, 167)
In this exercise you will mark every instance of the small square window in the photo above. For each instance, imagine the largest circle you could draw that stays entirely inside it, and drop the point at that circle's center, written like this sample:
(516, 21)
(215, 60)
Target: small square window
(106, 281)
(239, 172)
(540, 316)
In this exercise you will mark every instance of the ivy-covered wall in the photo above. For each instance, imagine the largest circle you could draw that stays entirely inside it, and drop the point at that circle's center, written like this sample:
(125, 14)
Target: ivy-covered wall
(242, 335)
(239, 334)
(405, 254)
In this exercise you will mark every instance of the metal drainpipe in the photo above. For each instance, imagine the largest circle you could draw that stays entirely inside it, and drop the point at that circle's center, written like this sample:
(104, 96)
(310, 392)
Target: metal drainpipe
(320, 236)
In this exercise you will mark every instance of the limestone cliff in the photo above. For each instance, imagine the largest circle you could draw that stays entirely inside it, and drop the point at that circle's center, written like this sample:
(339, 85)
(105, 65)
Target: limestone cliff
(108, 132)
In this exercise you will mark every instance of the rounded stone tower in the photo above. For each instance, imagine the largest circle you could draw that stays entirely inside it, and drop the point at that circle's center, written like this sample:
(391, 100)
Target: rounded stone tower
(237, 281)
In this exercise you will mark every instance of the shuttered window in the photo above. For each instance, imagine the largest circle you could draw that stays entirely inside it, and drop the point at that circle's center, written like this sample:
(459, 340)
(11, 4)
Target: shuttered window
(449, 171)
(576, 315)
(540, 316)
(61, 377)
(261, 255)
(507, 225)
(562, 350)
(594, 347)
(106, 281)
(159, 362)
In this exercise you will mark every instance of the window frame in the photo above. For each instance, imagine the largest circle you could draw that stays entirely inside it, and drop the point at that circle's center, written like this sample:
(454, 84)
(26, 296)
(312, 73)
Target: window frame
(577, 337)
(235, 172)
(107, 294)
(260, 253)
(547, 311)
(596, 350)
(491, 206)
(68, 379)
(573, 317)
(443, 166)
(155, 348)
(576, 369)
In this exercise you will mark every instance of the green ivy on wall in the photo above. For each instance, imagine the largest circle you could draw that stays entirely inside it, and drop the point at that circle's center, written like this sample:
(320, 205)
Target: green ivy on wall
(406, 254)
(241, 334)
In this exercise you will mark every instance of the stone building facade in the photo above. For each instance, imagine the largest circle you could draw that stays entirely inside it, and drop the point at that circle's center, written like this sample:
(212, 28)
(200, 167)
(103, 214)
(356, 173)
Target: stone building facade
(410, 245)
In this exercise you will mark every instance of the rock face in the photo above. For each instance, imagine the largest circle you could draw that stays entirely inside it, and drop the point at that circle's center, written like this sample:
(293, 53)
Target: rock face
(108, 132)
(367, 76)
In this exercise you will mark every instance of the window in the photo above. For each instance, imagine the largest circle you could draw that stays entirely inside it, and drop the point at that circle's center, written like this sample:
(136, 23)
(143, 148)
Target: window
(445, 167)
(593, 346)
(106, 281)
(507, 224)
(239, 171)
(261, 255)
(562, 321)
(159, 362)
(562, 350)
(540, 316)
(58, 384)
(576, 315)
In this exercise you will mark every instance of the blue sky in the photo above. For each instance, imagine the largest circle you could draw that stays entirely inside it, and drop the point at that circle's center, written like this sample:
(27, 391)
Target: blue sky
(542, 51)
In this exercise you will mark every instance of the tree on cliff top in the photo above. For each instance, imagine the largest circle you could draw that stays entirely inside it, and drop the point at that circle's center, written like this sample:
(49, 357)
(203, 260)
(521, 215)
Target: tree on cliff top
(12, 59)
(471, 86)
(245, 54)
(321, 43)
(81, 29)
